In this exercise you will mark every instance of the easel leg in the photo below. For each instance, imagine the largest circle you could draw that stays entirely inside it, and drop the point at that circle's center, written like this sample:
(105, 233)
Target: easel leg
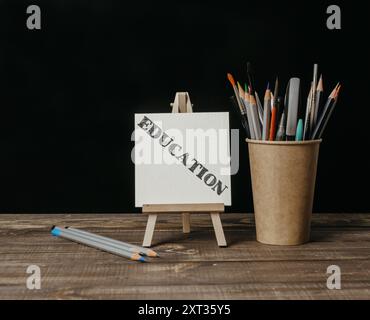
(152, 218)
(217, 225)
(186, 222)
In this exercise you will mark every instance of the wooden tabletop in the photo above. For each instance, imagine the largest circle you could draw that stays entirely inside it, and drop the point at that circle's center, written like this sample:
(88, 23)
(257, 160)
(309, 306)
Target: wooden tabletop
(191, 266)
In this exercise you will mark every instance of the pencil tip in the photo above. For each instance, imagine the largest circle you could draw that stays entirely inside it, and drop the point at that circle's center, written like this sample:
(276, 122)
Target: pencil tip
(333, 93)
(267, 93)
(337, 91)
(320, 86)
(152, 253)
(142, 259)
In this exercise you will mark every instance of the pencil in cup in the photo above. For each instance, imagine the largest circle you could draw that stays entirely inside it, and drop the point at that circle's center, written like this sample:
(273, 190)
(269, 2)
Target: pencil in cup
(326, 113)
(254, 116)
(276, 113)
(242, 115)
(266, 115)
(272, 131)
(259, 108)
(116, 243)
(319, 92)
(249, 112)
(67, 234)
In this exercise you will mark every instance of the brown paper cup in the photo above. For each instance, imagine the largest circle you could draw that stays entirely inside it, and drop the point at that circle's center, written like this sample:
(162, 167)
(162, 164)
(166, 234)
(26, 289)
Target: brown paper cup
(283, 183)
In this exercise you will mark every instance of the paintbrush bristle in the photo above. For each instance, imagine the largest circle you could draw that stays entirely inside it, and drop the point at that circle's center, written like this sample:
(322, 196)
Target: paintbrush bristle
(231, 79)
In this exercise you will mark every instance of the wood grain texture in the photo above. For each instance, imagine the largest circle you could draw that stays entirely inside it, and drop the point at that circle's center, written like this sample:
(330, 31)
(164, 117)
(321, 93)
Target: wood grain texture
(191, 266)
(187, 207)
(149, 230)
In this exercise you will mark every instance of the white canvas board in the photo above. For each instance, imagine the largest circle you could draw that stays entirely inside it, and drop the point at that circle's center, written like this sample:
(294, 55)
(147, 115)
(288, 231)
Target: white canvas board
(182, 158)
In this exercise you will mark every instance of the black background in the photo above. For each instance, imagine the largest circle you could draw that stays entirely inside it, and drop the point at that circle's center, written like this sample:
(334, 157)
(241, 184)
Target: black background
(68, 92)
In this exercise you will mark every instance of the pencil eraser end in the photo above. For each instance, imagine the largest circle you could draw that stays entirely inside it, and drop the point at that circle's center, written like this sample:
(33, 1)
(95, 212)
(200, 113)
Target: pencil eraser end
(55, 232)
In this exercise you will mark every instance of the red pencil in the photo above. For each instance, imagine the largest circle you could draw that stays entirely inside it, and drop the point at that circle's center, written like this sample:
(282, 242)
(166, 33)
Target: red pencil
(273, 123)
(274, 112)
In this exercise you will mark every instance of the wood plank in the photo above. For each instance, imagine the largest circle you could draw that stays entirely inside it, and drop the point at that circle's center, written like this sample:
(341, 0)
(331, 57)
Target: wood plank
(188, 207)
(191, 265)
(150, 225)
(186, 222)
(209, 281)
(219, 232)
(186, 251)
(137, 221)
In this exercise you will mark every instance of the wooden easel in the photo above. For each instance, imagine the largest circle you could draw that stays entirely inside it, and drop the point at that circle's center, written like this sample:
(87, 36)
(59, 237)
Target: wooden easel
(182, 104)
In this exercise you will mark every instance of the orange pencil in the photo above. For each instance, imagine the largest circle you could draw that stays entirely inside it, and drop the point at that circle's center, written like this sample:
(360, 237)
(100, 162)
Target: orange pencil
(274, 111)
(273, 123)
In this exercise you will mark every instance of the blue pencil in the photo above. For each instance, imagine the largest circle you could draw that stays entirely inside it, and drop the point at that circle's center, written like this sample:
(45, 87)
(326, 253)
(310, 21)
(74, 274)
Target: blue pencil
(67, 234)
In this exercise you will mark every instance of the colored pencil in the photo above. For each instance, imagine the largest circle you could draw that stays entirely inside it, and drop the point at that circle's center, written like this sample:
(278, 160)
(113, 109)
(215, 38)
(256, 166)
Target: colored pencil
(326, 114)
(306, 129)
(266, 114)
(67, 234)
(249, 113)
(259, 108)
(313, 98)
(280, 135)
(274, 111)
(247, 109)
(273, 124)
(299, 131)
(319, 92)
(119, 244)
(255, 120)
(266, 119)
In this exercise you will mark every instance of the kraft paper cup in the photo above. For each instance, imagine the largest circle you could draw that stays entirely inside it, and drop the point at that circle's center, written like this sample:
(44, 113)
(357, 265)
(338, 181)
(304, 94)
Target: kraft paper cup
(283, 183)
